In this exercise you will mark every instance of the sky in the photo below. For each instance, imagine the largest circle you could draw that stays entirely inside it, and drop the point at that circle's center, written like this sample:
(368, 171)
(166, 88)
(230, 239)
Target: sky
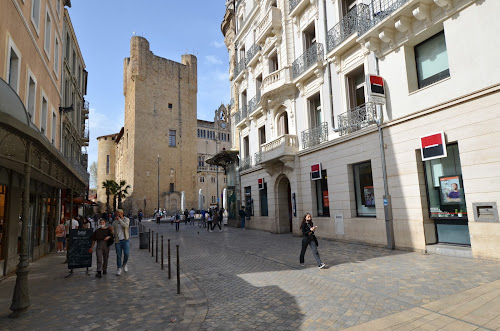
(173, 28)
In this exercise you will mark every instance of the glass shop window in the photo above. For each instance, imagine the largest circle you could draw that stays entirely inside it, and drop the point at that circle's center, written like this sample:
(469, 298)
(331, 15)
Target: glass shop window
(445, 189)
(322, 198)
(363, 187)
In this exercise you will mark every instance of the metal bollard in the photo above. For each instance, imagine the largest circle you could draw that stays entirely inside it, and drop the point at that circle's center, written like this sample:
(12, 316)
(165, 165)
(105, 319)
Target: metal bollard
(161, 252)
(152, 243)
(149, 240)
(168, 258)
(156, 247)
(178, 272)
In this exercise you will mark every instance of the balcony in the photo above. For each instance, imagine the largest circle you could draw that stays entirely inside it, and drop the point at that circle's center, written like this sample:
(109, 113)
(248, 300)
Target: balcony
(245, 163)
(251, 54)
(346, 27)
(253, 104)
(258, 157)
(285, 145)
(241, 115)
(269, 25)
(315, 136)
(311, 57)
(276, 81)
(357, 118)
(79, 168)
(85, 134)
(240, 67)
(85, 109)
(376, 12)
(297, 6)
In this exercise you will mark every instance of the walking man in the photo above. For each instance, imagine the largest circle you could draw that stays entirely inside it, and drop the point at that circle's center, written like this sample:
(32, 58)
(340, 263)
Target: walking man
(122, 244)
(243, 215)
(191, 217)
(177, 221)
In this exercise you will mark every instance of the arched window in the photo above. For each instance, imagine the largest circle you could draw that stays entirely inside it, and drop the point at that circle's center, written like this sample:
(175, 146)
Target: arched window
(283, 124)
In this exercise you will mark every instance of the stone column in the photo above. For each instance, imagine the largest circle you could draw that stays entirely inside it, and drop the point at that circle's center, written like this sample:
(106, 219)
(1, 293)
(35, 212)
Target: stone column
(20, 299)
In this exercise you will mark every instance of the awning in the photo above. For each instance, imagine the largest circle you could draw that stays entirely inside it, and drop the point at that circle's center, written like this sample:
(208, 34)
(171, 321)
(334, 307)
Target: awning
(82, 201)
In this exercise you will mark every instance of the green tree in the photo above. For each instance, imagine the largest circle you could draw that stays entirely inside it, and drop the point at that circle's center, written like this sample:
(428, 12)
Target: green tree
(122, 192)
(109, 185)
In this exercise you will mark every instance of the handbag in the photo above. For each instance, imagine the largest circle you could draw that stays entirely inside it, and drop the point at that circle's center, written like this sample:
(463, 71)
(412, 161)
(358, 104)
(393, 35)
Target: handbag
(111, 239)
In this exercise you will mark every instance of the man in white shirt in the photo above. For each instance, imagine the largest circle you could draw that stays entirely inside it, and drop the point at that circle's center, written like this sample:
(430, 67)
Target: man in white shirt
(122, 244)
(74, 226)
(191, 217)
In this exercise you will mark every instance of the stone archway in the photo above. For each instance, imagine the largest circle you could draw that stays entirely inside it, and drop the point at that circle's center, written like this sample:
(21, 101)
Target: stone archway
(283, 205)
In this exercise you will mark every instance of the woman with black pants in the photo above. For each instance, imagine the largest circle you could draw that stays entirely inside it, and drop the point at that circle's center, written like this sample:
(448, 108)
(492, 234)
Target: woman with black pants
(309, 239)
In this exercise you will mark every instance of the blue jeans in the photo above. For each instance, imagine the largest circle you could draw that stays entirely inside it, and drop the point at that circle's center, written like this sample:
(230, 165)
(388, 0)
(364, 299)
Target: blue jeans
(177, 226)
(123, 245)
(243, 222)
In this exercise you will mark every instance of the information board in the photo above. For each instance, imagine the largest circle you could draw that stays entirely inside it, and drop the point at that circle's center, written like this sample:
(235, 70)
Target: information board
(78, 253)
(134, 231)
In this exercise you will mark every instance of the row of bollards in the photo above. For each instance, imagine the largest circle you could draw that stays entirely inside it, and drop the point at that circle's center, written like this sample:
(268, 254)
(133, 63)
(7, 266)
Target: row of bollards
(151, 248)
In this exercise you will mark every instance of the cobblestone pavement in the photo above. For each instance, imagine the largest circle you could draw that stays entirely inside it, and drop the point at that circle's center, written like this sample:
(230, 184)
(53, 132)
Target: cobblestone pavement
(244, 280)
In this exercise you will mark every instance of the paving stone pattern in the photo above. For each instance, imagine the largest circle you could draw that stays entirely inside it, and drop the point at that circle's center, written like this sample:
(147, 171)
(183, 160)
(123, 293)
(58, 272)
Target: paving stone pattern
(246, 280)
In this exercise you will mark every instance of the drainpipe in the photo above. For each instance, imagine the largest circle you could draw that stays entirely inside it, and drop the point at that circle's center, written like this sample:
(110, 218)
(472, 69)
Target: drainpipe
(389, 226)
(328, 68)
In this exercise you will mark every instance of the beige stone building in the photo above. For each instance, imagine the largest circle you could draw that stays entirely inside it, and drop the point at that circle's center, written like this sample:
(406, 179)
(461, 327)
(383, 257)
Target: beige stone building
(157, 152)
(213, 137)
(314, 132)
(42, 165)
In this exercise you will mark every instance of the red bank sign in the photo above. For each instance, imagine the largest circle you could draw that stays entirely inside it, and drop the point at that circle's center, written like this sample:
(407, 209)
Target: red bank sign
(433, 146)
(316, 171)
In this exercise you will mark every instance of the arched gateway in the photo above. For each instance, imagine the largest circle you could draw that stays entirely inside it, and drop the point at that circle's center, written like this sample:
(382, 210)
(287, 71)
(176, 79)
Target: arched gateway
(284, 205)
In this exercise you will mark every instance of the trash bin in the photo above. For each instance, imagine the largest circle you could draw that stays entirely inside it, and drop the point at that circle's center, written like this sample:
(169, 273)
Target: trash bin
(143, 240)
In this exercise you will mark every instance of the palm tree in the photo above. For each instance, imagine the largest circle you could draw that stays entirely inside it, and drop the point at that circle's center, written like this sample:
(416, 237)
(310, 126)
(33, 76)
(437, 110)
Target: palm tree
(108, 185)
(122, 192)
(114, 191)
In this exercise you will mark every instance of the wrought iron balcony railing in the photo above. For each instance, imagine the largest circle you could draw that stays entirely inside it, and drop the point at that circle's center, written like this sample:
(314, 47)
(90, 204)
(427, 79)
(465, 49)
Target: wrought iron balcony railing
(241, 114)
(85, 107)
(376, 12)
(237, 117)
(311, 56)
(294, 3)
(252, 52)
(345, 27)
(245, 163)
(240, 67)
(253, 104)
(357, 118)
(258, 157)
(315, 136)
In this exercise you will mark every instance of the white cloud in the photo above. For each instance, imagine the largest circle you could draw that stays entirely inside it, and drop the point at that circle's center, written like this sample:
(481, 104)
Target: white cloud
(212, 59)
(224, 76)
(217, 44)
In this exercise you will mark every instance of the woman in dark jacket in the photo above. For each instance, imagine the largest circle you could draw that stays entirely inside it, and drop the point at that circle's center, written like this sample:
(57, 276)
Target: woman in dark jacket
(309, 239)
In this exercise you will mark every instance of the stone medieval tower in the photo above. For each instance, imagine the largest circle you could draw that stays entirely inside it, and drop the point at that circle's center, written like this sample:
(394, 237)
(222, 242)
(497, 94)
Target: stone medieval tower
(160, 120)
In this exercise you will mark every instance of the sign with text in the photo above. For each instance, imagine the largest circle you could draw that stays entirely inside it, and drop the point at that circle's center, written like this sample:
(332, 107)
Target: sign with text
(433, 146)
(79, 244)
(316, 171)
(261, 183)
